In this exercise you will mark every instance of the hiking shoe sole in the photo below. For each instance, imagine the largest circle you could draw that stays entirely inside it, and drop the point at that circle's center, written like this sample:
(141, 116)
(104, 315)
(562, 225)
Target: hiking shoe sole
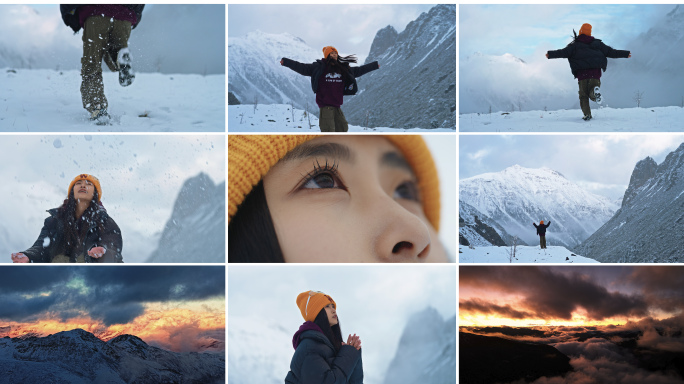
(597, 95)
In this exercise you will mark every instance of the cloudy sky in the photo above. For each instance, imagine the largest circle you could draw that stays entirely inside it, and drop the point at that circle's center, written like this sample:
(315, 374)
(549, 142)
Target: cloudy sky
(528, 31)
(140, 176)
(601, 164)
(373, 301)
(611, 321)
(349, 28)
(177, 308)
(34, 36)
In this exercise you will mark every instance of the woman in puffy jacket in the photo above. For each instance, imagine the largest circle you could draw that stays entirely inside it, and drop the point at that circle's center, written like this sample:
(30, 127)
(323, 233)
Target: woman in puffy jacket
(79, 231)
(321, 357)
(331, 79)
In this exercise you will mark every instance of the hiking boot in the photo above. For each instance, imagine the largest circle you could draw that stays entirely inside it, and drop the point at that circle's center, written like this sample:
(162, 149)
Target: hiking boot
(597, 95)
(586, 117)
(100, 116)
(126, 74)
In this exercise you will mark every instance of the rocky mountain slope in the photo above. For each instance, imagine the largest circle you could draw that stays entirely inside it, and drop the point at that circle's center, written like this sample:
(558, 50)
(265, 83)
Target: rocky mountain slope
(196, 231)
(478, 230)
(416, 83)
(649, 225)
(426, 351)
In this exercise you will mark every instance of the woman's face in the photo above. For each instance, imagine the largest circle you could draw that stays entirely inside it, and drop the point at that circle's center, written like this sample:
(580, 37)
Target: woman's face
(333, 54)
(349, 199)
(332, 314)
(84, 190)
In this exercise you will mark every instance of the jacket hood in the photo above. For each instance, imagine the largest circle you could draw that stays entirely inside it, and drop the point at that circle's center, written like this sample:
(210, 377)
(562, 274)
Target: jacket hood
(585, 39)
(307, 326)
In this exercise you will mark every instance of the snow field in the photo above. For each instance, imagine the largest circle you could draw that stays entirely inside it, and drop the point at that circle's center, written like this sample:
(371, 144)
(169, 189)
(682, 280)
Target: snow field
(278, 118)
(523, 254)
(657, 119)
(42, 100)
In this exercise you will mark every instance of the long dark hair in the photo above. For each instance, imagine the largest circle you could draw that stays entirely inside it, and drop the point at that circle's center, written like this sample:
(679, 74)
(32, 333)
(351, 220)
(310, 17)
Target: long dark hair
(342, 62)
(75, 230)
(251, 235)
(332, 332)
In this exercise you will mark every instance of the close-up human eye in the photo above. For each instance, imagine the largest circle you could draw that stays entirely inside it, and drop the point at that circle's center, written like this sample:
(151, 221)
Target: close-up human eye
(323, 176)
(407, 190)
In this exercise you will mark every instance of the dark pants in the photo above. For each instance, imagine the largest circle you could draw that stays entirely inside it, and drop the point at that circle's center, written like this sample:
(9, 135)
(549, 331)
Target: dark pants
(332, 120)
(103, 37)
(542, 242)
(586, 92)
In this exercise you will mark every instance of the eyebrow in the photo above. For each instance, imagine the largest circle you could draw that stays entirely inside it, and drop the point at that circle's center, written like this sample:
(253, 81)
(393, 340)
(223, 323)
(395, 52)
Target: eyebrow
(396, 160)
(308, 150)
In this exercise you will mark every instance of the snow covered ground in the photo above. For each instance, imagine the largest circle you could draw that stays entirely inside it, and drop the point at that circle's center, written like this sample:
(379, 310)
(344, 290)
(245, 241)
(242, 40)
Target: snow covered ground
(280, 118)
(657, 119)
(42, 100)
(522, 255)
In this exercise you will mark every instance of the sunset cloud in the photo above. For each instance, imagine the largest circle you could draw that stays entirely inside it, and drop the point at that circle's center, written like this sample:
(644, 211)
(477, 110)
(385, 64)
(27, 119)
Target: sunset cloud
(180, 308)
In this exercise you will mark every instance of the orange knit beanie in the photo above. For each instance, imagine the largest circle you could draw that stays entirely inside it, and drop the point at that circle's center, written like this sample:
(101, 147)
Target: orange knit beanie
(250, 157)
(92, 179)
(310, 303)
(541, 222)
(327, 50)
(585, 29)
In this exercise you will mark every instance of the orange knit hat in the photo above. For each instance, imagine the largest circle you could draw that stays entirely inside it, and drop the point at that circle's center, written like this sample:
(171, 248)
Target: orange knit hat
(541, 222)
(92, 179)
(585, 29)
(310, 303)
(250, 157)
(327, 50)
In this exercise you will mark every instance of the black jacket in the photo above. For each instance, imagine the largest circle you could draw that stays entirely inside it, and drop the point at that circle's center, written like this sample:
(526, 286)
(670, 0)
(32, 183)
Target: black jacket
(50, 242)
(541, 228)
(70, 14)
(586, 52)
(316, 70)
(315, 362)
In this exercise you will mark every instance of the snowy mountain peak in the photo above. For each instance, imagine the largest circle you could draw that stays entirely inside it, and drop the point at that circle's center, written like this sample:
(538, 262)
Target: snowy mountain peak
(518, 196)
(426, 351)
(384, 38)
(78, 356)
(643, 171)
(195, 231)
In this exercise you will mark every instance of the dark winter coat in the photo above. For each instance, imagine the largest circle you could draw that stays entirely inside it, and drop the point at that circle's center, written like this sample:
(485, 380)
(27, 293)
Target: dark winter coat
(50, 243)
(71, 18)
(317, 69)
(315, 361)
(586, 52)
(541, 228)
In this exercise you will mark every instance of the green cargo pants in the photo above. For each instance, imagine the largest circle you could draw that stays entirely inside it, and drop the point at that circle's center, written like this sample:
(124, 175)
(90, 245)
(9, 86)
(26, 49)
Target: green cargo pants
(332, 120)
(586, 92)
(542, 242)
(103, 37)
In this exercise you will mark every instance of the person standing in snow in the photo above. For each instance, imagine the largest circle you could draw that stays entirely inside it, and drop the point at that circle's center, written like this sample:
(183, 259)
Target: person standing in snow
(320, 354)
(587, 57)
(541, 231)
(331, 79)
(106, 29)
(80, 231)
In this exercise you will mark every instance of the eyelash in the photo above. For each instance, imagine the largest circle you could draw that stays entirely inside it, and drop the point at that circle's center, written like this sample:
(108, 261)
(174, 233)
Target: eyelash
(318, 169)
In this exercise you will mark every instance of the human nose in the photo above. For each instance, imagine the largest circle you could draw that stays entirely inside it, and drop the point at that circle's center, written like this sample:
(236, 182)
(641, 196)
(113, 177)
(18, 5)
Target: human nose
(401, 235)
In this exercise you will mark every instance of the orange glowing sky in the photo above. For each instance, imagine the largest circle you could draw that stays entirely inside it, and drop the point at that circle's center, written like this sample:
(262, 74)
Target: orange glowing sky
(521, 296)
(176, 308)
